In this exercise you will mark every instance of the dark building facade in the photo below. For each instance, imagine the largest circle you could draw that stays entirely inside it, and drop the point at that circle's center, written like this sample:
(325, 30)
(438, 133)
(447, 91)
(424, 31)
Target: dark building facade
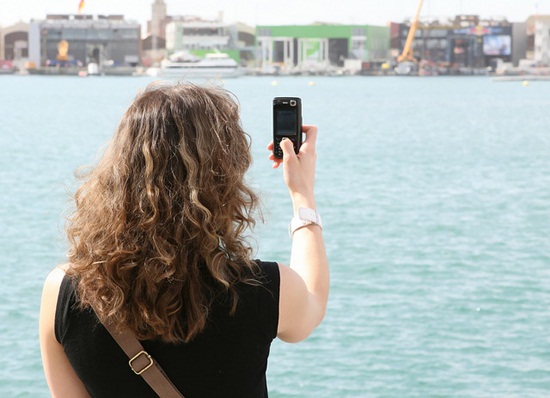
(466, 42)
(12, 49)
(100, 39)
(14, 42)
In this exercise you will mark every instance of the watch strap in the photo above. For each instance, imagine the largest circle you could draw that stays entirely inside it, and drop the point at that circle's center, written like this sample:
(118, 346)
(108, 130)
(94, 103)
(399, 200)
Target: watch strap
(305, 217)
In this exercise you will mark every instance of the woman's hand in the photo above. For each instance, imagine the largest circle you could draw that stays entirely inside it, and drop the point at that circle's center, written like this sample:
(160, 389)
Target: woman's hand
(299, 169)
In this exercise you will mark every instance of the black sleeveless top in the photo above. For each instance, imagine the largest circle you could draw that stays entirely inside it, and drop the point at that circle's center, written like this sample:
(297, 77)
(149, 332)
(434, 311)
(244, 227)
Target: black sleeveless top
(228, 359)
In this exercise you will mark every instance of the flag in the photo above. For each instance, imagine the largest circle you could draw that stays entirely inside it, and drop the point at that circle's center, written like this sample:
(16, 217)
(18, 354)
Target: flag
(80, 6)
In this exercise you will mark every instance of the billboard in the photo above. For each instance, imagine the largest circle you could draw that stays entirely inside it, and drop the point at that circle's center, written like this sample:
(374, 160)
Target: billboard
(497, 45)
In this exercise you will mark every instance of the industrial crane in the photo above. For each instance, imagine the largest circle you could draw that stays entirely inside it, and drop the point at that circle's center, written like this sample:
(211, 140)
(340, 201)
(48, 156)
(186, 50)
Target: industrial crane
(406, 62)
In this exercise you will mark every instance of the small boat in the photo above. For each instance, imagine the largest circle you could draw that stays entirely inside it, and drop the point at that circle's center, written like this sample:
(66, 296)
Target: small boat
(406, 68)
(184, 65)
(521, 78)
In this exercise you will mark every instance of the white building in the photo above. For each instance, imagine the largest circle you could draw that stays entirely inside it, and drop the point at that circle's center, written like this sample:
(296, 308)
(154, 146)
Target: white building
(542, 43)
(158, 18)
(189, 34)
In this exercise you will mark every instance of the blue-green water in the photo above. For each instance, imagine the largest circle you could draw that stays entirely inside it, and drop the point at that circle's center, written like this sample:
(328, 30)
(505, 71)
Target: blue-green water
(435, 195)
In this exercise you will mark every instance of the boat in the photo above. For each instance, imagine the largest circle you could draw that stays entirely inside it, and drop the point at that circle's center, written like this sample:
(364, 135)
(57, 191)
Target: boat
(406, 68)
(184, 65)
(521, 78)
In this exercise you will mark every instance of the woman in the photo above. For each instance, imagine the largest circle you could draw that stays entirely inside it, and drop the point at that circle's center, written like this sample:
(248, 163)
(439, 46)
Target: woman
(157, 247)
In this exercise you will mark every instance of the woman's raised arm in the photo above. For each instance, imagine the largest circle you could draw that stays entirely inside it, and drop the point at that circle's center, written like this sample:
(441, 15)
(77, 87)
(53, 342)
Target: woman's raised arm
(305, 284)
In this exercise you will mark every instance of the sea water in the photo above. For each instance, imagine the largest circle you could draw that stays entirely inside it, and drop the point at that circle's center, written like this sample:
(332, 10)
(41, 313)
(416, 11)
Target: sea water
(435, 197)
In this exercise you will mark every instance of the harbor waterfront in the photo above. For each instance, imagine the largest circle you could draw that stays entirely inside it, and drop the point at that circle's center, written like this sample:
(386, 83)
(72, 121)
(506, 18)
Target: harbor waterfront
(435, 198)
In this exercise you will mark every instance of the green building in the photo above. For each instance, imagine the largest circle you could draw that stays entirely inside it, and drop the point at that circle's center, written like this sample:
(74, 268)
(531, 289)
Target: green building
(319, 47)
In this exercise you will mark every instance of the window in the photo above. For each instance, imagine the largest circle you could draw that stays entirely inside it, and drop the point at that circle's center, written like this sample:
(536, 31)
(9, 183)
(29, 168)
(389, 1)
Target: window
(264, 32)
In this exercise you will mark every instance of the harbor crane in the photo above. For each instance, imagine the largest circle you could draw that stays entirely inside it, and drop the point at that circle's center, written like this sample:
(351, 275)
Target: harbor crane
(406, 63)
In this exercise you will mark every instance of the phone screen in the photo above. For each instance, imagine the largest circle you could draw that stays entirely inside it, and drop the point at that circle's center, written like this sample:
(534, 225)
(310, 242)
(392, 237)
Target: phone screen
(286, 122)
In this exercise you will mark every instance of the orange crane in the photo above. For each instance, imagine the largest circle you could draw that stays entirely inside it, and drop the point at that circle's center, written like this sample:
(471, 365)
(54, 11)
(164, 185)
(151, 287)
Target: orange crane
(406, 57)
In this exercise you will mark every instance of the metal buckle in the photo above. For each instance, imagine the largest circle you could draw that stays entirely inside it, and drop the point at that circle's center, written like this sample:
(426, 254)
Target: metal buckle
(136, 357)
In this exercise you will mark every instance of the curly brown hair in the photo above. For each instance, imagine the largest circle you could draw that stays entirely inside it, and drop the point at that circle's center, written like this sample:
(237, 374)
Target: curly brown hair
(158, 228)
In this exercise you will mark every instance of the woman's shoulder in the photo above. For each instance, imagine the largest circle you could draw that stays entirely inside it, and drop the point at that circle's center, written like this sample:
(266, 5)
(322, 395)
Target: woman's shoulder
(50, 296)
(259, 280)
(259, 299)
(54, 279)
(268, 269)
(266, 276)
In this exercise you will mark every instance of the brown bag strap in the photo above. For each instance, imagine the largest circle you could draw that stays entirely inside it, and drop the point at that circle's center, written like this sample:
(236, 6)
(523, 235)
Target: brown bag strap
(143, 364)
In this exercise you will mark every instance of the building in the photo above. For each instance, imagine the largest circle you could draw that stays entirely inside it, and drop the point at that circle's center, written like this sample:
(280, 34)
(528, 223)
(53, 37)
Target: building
(169, 34)
(153, 45)
(542, 43)
(159, 19)
(14, 43)
(153, 50)
(319, 47)
(198, 36)
(244, 38)
(531, 32)
(463, 44)
(519, 42)
(188, 33)
(102, 39)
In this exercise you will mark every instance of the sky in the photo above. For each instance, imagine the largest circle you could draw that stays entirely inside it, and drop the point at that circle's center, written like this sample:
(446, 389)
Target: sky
(280, 12)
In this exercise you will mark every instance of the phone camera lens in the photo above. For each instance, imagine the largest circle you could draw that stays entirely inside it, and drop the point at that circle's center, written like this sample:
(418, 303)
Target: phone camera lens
(292, 102)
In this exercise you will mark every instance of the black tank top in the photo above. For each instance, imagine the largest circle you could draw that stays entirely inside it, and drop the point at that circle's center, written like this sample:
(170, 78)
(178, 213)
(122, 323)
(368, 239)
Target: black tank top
(228, 359)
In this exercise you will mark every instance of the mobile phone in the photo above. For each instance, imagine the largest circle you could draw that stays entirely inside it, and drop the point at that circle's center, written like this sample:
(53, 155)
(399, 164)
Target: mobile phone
(287, 123)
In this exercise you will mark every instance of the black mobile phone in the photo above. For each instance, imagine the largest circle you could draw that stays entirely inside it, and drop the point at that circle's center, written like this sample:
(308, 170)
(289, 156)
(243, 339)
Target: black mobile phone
(287, 123)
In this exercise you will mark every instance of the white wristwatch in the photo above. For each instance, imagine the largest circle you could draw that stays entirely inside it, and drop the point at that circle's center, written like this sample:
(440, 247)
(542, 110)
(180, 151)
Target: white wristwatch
(306, 216)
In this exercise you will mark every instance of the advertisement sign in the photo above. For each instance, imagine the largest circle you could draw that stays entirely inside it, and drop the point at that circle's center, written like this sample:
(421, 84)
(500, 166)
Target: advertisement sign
(497, 45)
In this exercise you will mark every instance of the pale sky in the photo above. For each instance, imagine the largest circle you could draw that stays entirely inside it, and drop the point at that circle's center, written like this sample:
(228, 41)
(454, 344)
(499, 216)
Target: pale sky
(280, 12)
